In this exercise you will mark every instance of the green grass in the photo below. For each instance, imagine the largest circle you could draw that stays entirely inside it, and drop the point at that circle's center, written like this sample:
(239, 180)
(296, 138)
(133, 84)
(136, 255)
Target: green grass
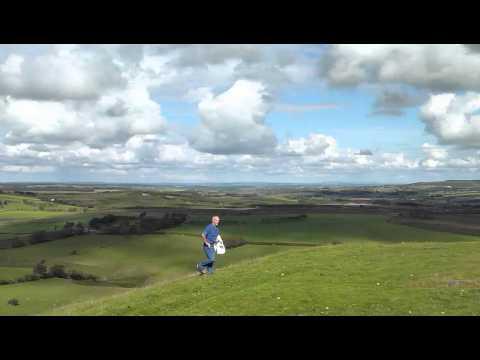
(37, 296)
(122, 261)
(133, 261)
(10, 273)
(326, 228)
(26, 203)
(351, 279)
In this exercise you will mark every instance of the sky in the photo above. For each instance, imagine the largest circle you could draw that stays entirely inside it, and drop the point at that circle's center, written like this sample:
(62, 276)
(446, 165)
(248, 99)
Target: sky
(299, 113)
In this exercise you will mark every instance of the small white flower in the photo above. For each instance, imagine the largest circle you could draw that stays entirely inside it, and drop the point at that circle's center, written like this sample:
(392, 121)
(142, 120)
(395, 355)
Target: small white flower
(283, 274)
(326, 307)
(378, 284)
(443, 312)
(278, 298)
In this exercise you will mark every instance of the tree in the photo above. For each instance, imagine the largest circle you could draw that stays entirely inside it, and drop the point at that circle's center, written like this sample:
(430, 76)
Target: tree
(79, 228)
(16, 243)
(40, 268)
(13, 302)
(58, 271)
(38, 237)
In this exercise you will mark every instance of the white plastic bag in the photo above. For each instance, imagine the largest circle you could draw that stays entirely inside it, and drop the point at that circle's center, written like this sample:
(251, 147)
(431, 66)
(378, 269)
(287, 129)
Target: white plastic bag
(219, 247)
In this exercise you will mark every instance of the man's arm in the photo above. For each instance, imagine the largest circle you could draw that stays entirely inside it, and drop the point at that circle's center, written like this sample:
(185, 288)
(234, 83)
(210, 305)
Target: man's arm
(204, 238)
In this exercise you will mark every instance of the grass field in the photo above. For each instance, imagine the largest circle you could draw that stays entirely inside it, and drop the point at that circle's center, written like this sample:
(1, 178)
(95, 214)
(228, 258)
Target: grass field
(19, 203)
(325, 228)
(37, 296)
(134, 261)
(350, 279)
(122, 262)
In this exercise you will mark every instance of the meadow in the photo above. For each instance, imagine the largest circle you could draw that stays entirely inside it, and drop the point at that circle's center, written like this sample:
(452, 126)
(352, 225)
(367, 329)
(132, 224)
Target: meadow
(332, 263)
(436, 279)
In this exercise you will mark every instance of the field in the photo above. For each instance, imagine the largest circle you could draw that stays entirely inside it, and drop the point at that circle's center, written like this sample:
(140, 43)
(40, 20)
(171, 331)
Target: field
(330, 249)
(351, 279)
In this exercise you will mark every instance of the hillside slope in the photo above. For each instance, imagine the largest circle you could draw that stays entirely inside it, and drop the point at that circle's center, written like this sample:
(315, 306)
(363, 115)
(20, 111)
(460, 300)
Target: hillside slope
(350, 279)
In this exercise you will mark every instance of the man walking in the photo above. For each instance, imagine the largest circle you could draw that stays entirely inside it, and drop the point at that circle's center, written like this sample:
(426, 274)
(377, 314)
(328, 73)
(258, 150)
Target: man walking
(209, 236)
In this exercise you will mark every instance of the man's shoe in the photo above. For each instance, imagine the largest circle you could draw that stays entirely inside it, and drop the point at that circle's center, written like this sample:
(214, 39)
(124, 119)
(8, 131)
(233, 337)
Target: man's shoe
(199, 270)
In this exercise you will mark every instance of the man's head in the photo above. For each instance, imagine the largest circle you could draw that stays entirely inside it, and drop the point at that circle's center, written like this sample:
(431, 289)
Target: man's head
(215, 220)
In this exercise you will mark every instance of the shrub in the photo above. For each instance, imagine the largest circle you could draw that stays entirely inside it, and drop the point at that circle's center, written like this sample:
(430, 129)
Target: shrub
(40, 268)
(13, 302)
(58, 271)
(16, 243)
(78, 275)
(68, 225)
(233, 243)
(133, 230)
(96, 223)
(79, 228)
(38, 237)
(32, 277)
(74, 252)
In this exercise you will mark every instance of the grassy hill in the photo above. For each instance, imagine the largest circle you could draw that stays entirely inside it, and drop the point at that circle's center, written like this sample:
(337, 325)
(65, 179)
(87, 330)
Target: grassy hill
(124, 262)
(350, 279)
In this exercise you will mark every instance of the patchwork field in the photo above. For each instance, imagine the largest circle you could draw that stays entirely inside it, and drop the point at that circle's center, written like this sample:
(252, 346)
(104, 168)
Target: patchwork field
(328, 258)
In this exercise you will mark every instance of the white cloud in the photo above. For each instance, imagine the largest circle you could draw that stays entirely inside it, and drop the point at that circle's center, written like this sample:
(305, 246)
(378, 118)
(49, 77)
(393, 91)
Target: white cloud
(113, 118)
(233, 122)
(440, 67)
(434, 152)
(26, 169)
(397, 160)
(313, 145)
(451, 118)
(61, 75)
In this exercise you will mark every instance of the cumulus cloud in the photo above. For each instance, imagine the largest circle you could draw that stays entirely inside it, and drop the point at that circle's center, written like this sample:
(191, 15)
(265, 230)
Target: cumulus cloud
(438, 67)
(192, 55)
(393, 102)
(397, 160)
(80, 111)
(434, 152)
(176, 69)
(112, 119)
(233, 122)
(452, 118)
(364, 152)
(58, 76)
(313, 145)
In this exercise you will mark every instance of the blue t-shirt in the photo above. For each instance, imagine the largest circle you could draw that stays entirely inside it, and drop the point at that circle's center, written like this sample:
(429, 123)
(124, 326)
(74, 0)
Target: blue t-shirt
(211, 232)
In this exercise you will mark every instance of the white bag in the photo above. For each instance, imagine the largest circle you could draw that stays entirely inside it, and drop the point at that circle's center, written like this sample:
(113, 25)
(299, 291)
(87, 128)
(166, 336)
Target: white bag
(219, 247)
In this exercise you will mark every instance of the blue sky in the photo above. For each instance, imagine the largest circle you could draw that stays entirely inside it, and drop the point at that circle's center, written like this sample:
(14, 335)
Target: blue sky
(217, 113)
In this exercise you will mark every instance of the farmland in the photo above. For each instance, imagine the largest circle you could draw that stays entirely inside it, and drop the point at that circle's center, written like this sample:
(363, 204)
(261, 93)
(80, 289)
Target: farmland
(387, 231)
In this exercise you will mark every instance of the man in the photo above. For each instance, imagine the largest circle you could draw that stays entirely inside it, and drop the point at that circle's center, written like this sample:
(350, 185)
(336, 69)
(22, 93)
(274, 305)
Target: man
(209, 236)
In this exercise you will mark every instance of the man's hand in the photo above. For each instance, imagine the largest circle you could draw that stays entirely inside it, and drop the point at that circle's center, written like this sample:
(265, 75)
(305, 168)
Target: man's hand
(205, 242)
